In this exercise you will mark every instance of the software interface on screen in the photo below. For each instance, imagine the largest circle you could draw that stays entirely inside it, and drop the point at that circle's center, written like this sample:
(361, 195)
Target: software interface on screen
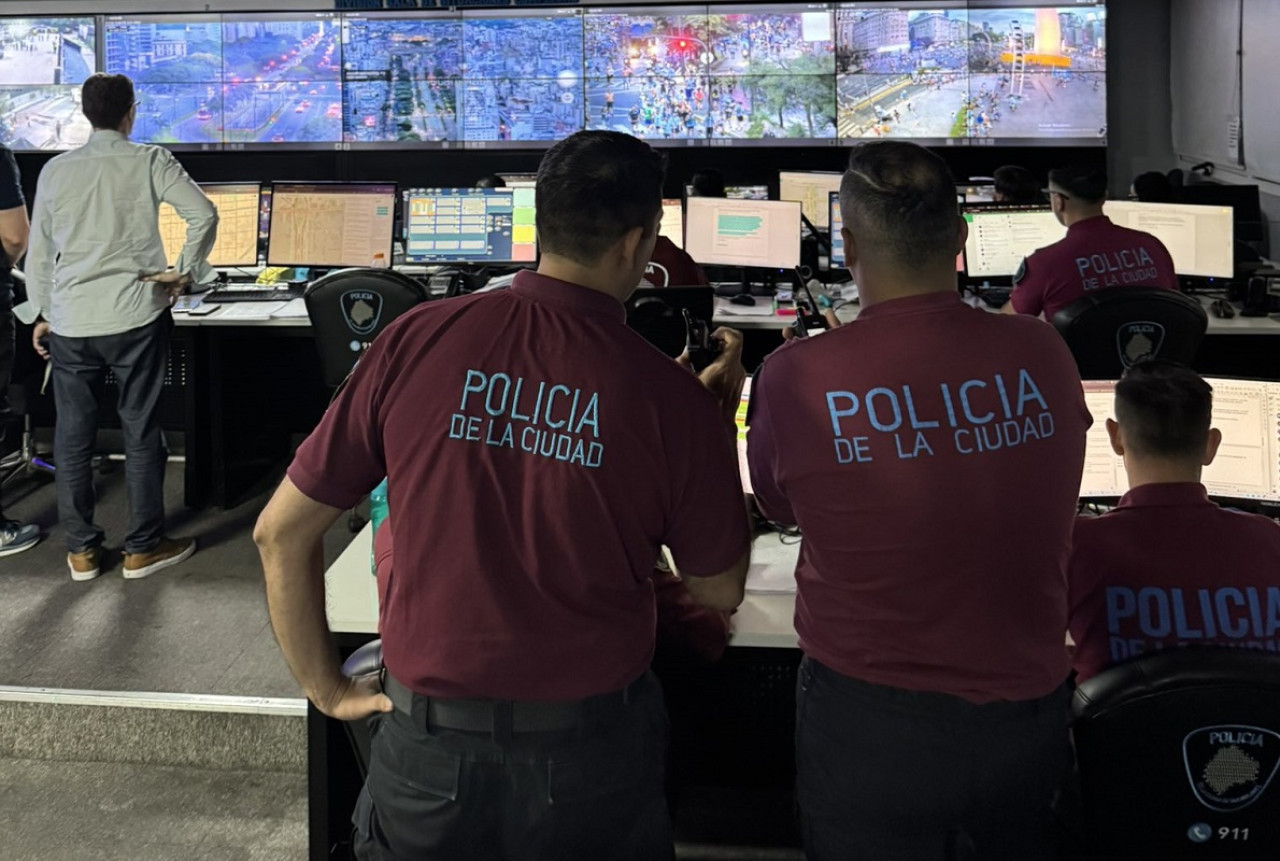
(753, 233)
(237, 242)
(43, 62)
(812, 190)
(999, 239)
(673, 221)
(746, 192)
(1200, 239)
(835, 221)
(338, 224)
(1248, 462)
(470, 225)
(740, 418)
(519, 180)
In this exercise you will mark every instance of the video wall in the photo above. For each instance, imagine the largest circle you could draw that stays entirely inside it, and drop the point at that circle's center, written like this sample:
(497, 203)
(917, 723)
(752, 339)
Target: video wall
(945, 72)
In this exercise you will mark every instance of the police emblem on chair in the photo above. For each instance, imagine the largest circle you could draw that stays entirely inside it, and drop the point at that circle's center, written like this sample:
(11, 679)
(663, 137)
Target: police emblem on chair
(362, 310)
(1230, 767)
(1138, 342)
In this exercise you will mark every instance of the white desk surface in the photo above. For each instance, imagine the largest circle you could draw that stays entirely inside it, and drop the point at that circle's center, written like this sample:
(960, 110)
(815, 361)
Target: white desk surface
(351, 595)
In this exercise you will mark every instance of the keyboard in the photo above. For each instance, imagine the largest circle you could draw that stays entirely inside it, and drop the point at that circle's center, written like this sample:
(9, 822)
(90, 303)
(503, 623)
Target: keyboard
(254, 294)
(996, 297)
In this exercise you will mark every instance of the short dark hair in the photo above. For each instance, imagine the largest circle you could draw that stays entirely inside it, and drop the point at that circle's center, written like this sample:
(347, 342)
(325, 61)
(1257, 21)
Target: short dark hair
(491, 181)
(106, 99)
(1017, 184)
(1083, 182)
(903, 197)
(1153, 187)
(1165, 410)
(707, 183)
(593, 187)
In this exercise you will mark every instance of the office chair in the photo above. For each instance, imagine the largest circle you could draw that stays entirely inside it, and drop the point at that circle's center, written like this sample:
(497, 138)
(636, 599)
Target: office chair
(1178, 753)
(363, 661)
(25, 460)
(1112, 329)
(349, 307)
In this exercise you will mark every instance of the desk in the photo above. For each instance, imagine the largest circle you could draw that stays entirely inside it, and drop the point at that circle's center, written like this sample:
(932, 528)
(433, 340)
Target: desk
(743, 703)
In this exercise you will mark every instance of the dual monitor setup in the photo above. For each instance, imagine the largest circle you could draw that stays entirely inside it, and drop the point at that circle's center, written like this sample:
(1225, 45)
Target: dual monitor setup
(942, 72)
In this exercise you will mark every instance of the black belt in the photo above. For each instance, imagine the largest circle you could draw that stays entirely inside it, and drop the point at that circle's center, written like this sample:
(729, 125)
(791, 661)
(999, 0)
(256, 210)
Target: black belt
(484, 715)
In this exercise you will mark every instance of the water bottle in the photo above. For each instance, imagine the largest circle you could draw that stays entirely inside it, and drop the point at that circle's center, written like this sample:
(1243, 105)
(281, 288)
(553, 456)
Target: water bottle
(377, 514)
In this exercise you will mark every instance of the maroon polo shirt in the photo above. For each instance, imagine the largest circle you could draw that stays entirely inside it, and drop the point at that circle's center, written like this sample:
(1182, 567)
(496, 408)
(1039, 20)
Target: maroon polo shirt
(1095, 254)
(1167, 567)
(670, 266)
(931, 455)
(538, 453)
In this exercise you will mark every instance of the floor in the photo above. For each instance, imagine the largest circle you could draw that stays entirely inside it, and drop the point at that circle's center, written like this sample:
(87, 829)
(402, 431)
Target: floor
(198, 627)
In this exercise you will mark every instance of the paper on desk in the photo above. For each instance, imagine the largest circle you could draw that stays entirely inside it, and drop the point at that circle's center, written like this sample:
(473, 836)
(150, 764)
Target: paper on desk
(292, 308)
(762, 308)
(249, 310)
(766, 579)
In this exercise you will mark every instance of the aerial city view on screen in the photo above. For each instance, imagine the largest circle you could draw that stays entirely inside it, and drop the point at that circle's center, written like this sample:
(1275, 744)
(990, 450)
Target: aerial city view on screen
(43, 61)
(675, 74)
(720, 76)
(976, 73)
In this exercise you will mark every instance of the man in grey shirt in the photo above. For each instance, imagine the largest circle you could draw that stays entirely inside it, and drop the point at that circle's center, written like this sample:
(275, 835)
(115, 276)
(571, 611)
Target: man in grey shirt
(96, 273)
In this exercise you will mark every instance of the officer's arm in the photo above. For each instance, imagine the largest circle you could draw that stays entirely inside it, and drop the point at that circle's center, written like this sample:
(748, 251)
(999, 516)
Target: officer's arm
(721, 591)
(290, 538)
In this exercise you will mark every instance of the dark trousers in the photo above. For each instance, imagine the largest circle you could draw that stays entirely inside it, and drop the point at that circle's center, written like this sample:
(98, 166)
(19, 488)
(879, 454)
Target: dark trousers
(591, 793)
(139, 359)
(885, 774)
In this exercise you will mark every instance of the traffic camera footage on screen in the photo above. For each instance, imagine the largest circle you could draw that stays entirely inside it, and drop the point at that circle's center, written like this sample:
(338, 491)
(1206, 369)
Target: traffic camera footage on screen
(954, 73)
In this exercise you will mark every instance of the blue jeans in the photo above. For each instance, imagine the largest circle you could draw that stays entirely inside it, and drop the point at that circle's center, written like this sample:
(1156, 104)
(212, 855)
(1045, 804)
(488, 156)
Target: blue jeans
(139, 359)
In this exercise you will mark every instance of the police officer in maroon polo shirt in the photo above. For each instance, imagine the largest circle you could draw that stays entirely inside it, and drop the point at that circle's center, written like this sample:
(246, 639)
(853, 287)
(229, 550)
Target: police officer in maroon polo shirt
(1094, 255)
(932, 698)
(538, 453)
(1168, 567)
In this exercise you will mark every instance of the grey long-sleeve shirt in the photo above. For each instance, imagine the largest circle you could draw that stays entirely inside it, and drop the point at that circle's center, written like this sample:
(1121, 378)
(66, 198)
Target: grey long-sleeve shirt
(95, 232)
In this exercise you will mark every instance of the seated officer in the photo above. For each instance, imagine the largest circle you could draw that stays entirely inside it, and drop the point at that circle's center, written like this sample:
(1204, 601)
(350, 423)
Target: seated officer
(932, 701)
(670, 266)
(1094, 254)
(537, 455)
(1167, 567)
(1015, 184)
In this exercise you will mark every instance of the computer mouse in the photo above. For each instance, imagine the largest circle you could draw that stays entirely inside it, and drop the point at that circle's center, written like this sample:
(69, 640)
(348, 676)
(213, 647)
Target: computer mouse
(742, 299)
(1222, 309)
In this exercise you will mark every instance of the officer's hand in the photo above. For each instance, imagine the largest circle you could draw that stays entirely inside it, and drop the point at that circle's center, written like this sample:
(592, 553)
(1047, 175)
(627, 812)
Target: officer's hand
(357, 698)
(40, 337)
(174, 282)
(833, 322)
(725, 376)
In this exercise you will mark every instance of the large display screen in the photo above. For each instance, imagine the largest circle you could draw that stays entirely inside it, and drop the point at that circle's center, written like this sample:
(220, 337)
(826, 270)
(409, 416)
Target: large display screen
(43, 61)
(968, 72)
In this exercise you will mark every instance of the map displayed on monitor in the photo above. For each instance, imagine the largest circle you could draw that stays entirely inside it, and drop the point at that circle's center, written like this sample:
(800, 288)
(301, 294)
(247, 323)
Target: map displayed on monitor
(43, 61)
(331, 224)
(237, 242)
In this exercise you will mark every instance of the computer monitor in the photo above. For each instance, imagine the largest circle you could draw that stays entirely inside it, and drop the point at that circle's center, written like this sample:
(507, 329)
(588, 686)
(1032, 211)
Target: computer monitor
(977, 193)
(754, 233)
(331, 224)
(673, 221)
(1200, 239)
(237, 242)
(740, 419)
(519, 180)
(746, 192)
(1247, 466)
(999, 239)
(469, 225)
(811, 188)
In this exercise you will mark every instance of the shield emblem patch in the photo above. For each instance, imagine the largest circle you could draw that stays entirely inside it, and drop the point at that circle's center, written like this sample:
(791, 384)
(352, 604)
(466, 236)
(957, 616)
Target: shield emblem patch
(1230, 767)
(1139, 341)
(362, 309)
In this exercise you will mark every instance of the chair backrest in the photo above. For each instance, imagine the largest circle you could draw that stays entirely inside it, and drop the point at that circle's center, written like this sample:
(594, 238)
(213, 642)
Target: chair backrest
(1112, 329)
(1179, 752)
(349, 307)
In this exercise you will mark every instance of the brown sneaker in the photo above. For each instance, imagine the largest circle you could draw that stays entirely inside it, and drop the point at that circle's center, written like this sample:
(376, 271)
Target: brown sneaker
(168, 552)
(85, 565)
